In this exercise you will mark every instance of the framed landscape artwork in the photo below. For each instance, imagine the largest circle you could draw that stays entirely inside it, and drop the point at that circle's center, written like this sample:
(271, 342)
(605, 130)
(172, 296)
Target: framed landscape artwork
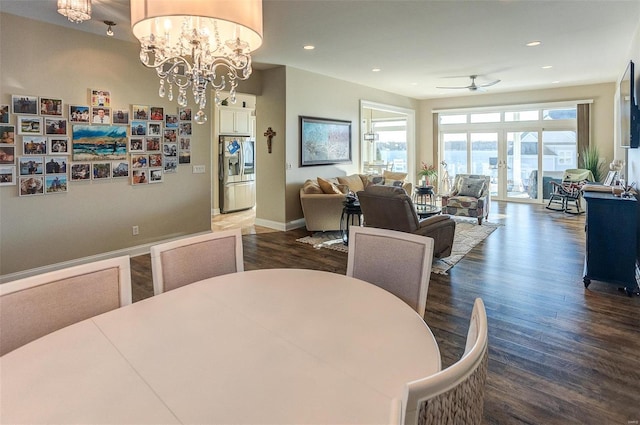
(99, 142)
(324, 141)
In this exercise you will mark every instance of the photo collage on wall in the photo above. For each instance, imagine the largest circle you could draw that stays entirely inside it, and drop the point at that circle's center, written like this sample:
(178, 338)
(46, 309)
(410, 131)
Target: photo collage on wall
(42, 151)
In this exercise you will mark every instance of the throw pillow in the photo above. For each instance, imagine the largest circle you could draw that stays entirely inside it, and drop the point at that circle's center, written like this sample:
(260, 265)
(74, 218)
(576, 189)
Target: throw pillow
(328, 187)
(396, 183)
(390, 175)
(311, 187)
(353, 181)
(471, 187)
(373, 179)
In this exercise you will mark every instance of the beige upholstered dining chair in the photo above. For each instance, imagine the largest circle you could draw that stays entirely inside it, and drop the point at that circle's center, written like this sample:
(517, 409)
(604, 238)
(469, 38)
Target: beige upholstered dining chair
(456, 394)
(184, 261)
(398, 262)
(38, 305)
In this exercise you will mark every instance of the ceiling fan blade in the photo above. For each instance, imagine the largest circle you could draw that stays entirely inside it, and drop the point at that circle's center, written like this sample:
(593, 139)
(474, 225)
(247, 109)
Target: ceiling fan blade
(489, 84)
(465, 87)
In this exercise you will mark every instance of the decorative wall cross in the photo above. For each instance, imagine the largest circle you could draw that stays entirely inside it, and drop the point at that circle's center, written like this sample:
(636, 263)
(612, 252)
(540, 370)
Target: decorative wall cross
(269, 134)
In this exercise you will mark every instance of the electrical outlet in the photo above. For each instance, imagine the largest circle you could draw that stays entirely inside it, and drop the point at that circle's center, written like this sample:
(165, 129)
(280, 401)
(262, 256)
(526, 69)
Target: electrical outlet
(199, 169)
(135, 230)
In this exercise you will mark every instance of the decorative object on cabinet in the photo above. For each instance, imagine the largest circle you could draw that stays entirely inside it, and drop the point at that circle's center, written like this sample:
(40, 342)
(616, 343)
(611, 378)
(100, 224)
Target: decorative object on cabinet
(324, 141)
(221, 39)
(269, 134)
(611, 246)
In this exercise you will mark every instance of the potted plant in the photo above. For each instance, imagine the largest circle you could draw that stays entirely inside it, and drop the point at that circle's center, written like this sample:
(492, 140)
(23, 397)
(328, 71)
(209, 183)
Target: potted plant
(591, 161)
(428, 174)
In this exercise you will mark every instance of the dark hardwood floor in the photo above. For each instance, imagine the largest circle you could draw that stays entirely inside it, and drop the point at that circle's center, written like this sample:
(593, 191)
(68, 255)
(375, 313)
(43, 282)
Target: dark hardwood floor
(558, 353)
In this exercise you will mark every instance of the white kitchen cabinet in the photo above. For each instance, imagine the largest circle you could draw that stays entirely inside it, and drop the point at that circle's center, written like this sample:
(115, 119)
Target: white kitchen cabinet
(235, 121)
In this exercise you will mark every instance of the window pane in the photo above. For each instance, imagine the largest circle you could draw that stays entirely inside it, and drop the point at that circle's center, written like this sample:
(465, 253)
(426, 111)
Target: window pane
(486, 117)
(521, 116)
(559, 114)
(453, 119)
(391, 148)
(455, 153)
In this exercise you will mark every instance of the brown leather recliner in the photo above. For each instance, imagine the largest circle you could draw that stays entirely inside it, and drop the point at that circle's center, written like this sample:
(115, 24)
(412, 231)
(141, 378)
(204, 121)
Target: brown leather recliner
(389, 207)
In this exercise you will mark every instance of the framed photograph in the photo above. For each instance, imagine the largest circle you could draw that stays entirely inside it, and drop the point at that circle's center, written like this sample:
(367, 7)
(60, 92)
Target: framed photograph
(139, 160)
(171, 121)
(324, 141)
(29, 125)
(100, 115)
(184, 114)
(101, 170)
(154, 129)
(7, 175)
(56, 183)
(58, 145)
(155, 175)
(7, 155)
(31, 186)
(79, 113)
(136, 144)
(99, 142)
(184, 157)
(23, 104)
(139, 176)
(34, 145)
(185, 143)
(119, 169)
(55, 165)
(138, 128)
(7, 134)
(120, 116)
(170, 164)
(4, 114)
(54, 126)
(153, 144)
(80, 171)
(155, 160)
(170, 135)
(184, 129)
(50, 106)
(157, 113)
(100, 97)
(140, 112)
(170, 149)
(611, 177)
(31, 165)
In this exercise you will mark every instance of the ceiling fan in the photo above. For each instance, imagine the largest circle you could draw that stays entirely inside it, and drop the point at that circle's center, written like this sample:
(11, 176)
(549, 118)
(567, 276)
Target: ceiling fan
(473, 86)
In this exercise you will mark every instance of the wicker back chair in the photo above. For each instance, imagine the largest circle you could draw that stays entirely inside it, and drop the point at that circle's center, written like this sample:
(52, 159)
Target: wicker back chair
(456, 394)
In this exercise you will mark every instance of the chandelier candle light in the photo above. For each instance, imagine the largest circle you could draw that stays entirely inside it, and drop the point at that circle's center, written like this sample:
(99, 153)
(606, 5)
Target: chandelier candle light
(194, 43)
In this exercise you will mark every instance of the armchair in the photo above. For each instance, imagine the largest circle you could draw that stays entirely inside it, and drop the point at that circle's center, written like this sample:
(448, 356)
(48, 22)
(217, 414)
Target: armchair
(389, 207)
(470, 197)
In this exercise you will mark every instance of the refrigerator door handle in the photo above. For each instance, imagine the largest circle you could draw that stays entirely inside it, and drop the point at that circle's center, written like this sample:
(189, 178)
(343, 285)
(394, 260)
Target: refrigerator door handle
(241, 159)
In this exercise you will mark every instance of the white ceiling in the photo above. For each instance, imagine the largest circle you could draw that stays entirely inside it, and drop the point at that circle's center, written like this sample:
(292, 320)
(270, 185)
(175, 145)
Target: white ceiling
(421, 44)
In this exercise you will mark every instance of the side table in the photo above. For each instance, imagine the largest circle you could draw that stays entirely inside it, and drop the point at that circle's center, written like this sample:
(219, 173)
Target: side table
(351, 213)
(423, 197)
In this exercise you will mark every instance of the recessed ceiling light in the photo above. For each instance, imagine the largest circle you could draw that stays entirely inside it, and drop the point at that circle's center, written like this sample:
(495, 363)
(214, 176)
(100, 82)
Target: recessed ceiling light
(376, 70)
(555, 82)
(309, 47)
(547, 67)
(533, 43)
(414, 84)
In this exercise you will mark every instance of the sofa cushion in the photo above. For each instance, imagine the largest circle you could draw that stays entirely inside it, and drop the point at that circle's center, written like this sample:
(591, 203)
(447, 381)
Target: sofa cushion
(380, 190)
(311, 186)
(328, 187)
(471, 187)
(372, 179)
(353, 181)
(390, 175)
(390, 182)
(464, 202)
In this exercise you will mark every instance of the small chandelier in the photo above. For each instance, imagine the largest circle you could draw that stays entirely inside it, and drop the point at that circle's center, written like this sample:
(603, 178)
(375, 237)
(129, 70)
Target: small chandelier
(75, 10)
(194, 43)
(370, 136)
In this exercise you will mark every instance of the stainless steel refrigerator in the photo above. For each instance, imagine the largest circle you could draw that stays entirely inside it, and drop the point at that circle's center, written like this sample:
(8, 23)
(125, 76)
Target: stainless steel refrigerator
(237, 169)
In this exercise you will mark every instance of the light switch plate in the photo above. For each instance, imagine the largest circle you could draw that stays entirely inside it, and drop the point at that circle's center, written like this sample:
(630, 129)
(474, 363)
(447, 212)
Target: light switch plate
(199, 169)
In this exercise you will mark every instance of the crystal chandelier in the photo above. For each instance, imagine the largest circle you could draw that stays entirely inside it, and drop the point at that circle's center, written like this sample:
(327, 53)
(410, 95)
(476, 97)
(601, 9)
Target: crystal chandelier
(196, 43)
(75, 10)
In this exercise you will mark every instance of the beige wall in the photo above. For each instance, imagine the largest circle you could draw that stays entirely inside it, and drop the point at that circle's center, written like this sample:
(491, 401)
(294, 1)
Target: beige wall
(601, 111)
(93, 217)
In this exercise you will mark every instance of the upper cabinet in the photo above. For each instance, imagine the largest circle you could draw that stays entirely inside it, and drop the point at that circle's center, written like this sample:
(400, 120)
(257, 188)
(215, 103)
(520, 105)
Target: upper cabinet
(235, 121)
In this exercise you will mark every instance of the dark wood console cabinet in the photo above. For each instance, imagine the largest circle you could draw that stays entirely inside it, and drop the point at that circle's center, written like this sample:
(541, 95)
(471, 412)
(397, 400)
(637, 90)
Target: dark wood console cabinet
(611, 240)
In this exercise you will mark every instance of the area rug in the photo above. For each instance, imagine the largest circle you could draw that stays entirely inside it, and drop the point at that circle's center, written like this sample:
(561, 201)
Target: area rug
(468, 234)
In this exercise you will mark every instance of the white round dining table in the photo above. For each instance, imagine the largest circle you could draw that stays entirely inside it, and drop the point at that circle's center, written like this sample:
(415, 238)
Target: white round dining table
(273, 346)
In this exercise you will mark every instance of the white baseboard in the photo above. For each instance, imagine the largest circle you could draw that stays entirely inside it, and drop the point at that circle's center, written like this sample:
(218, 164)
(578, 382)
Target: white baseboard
(283, 227)
(133, 251)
